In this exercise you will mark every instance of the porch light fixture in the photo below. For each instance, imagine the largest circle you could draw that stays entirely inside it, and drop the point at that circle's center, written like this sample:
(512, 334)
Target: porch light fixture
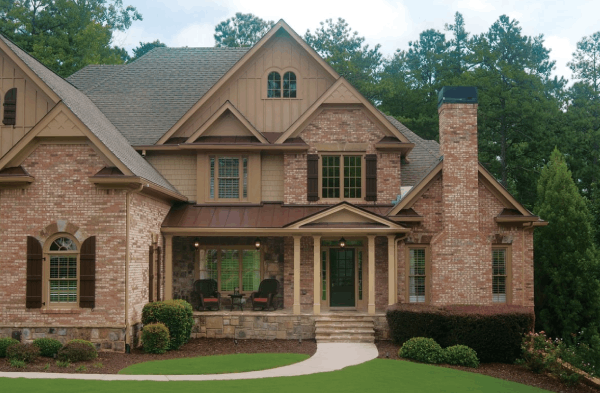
(257, 243)
(342, 242)
(196, 243)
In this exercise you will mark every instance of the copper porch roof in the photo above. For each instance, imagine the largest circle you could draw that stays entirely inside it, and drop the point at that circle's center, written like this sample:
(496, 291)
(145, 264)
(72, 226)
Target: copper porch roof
(268, 215)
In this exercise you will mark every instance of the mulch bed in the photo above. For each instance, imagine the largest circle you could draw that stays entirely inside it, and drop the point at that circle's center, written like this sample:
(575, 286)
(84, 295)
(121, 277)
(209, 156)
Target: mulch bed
(111, 362)
(509, 372)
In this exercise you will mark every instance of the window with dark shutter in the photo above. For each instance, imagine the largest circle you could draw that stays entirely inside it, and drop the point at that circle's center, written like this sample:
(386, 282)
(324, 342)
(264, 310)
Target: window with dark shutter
(10, 107)
(371, 177)
(33, 291)
(313, 177)
(151, 274)
(87, 273)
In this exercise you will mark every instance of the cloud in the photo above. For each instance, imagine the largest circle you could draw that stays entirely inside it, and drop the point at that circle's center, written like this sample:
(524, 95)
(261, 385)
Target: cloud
(133, 36)
(475, 5)
(194, 35)
(562, 52)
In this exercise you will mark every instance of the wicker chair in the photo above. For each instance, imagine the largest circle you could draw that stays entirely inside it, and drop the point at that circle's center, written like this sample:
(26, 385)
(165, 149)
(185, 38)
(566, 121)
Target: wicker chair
(266, 295)
(205, 294)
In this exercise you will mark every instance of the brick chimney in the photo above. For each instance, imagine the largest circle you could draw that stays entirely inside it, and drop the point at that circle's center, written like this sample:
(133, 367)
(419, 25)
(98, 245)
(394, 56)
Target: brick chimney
(459, 265)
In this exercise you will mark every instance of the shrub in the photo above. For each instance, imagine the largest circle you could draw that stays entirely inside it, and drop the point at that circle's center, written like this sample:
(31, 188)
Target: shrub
(155, 338)
(5, 343)
(77, 351)
(422, 349)
(48, 346)
(582, 355)
(541, 355)
(461, 355)
(64, 364)
(494, 332)
(17, 363)
(25, 352)
(176, 315)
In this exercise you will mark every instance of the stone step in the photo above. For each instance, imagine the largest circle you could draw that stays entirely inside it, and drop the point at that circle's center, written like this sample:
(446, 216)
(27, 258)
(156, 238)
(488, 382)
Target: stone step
(343, 318)
(362, 338)
(344, 331)
(343, 325)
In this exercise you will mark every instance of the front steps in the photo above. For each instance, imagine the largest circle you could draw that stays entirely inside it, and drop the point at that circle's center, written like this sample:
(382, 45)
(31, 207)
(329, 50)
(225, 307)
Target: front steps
(345, 328)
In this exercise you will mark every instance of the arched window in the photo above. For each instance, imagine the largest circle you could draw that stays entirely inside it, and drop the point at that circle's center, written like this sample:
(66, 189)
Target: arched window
(10, 107)
(289, 85)
(63, 271)
(274, 85)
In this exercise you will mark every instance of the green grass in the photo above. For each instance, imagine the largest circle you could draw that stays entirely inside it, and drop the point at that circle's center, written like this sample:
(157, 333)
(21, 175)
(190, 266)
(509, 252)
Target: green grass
(215, 364)
(376, 375)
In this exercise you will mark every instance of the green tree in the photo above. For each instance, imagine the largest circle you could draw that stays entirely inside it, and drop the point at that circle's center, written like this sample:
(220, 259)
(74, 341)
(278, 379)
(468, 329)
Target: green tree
(144, 48)
(347, 53)
(567, 291)
(458, 46)
(586, 61)
(67, 35)
(242, 30)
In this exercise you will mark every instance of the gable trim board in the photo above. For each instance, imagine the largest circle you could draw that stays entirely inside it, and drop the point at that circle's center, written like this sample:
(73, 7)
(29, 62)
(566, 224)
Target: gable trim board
(226, 107)
(245, 58)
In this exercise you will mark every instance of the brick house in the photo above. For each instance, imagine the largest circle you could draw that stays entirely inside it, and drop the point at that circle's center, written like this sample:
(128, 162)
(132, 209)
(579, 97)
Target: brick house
(126, 183)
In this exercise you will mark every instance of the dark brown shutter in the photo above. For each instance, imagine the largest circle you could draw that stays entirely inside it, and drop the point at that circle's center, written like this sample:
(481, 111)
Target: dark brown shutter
(87, 273)
(10, 107)
(158, 270)
(371, 172)
(312, 161)
(151, 274)
(33, 291)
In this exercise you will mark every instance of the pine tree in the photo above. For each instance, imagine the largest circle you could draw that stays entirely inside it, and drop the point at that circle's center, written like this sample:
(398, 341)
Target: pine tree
(567, 291)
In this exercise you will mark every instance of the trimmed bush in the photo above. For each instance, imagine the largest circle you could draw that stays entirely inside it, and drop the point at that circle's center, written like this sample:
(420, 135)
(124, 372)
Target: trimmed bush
(23, 352)
(77, 351)
(494, 332)
(422, 349)
(48, 346)
(155, 338)
(461, 355)
(5, 343)
(176, 315)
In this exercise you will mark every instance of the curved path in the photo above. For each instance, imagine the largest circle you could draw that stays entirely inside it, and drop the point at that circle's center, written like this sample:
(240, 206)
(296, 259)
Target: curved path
(329, 357)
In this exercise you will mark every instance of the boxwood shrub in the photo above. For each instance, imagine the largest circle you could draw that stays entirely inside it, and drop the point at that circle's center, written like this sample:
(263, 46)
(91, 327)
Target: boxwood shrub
(48, 346)
(176, 315)
(22, 352)
(77, 351)
(5, 343)
(494, 332)
(461, 355)
(155, 338)
(422, 349)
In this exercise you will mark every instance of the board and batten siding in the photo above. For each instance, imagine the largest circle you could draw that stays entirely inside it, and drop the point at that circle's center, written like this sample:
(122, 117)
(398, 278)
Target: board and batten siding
(272, 178)
(245, 89)
(32, 103)
(179, 170)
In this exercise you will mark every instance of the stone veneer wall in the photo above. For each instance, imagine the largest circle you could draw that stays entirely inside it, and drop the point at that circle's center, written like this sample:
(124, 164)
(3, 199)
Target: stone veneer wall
(343, 125)
(184, 264)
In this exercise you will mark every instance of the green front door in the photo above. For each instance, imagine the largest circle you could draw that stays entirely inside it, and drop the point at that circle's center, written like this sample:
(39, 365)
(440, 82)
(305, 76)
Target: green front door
(341, 262)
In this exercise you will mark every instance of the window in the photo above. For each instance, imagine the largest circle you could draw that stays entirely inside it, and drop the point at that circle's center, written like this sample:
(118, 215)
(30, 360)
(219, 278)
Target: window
(228, 178)
(231, 267)
(10, 107)
(500, 274)
(417, 271)
(63, 272)
(274, 85)
(341, 177)
(289, 85)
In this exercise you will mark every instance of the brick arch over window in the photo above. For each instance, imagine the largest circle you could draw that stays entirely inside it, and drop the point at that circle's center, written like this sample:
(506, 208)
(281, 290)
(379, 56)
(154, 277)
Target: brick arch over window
(62, 226)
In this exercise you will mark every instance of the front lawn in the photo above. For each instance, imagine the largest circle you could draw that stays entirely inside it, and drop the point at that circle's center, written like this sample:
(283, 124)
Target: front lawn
(376, 375)
(215, 364)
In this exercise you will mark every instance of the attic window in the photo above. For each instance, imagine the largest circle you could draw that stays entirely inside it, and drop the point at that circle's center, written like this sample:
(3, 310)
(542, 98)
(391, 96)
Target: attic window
(274, 85)
(10, 107)
(289, 85)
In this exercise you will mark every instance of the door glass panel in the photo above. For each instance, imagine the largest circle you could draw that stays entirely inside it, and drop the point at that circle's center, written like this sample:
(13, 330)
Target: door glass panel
(341, 277)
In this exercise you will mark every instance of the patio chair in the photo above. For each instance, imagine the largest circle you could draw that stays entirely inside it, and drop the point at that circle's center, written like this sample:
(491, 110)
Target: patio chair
(205, 294)
(266, 295)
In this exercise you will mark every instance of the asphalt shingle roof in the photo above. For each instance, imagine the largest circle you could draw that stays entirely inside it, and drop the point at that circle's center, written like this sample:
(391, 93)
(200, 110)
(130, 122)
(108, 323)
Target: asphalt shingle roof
(91, 76)
(93, 118)
(144, 99)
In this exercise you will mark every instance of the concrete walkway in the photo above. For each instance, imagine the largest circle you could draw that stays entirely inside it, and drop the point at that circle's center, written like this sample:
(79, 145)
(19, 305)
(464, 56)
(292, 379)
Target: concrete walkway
(329, 357)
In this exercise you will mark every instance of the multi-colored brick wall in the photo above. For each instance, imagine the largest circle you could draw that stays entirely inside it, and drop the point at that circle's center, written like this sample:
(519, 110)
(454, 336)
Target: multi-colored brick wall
(341, 126)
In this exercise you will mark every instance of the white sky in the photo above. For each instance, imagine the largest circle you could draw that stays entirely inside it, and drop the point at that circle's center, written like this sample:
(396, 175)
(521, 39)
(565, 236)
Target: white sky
(390, 23)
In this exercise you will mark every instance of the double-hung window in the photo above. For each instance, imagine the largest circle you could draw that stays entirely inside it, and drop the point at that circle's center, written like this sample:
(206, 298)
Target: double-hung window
(228, 178)
(500, 274)
(342, 177)
(231, 267)
(63, 274)
(417, 274)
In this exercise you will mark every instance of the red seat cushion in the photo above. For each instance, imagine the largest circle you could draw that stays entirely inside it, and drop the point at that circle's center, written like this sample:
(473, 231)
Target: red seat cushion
(261, 299)
(211, 299)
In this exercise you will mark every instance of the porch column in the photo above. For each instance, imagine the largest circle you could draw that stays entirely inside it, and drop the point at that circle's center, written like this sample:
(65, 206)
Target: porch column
(296, 307)
(371, 246)
(392, 271)
(168, 267)
(317, 275)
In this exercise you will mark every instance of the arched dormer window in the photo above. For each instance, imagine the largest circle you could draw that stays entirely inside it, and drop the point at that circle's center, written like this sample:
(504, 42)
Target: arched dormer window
(10, 107)
(289, 85)
(274, 85)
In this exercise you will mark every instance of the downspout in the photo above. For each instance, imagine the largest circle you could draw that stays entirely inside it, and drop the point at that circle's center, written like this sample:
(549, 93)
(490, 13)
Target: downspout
(127, 243)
